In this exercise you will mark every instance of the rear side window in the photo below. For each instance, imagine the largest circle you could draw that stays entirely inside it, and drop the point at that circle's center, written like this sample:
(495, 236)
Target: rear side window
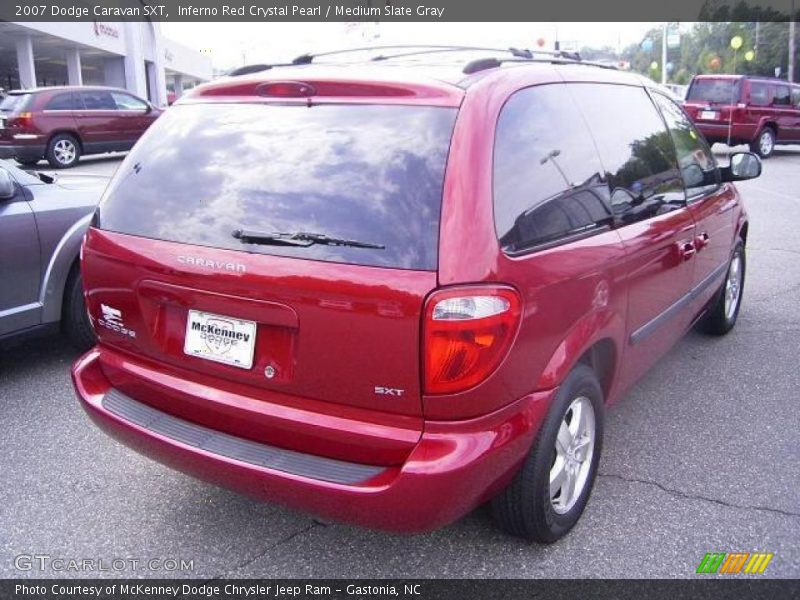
(716, 91)
(99, 100)
(783, 96)
(635, 148)
(366, 173)
(759, 94)
(548, 181)
(66, 101)
(14, 103)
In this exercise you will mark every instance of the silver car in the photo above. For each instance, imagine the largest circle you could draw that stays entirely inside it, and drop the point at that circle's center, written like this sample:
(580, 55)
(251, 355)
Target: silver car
(42, 221)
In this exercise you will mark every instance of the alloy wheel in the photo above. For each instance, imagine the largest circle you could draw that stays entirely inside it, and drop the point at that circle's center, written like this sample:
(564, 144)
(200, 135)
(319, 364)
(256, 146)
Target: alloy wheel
(765, 143)
(572, 455)
(733, 287)
(64, 151)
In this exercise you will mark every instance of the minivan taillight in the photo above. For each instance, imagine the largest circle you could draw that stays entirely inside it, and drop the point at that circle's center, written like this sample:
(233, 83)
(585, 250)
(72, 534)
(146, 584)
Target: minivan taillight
(23, 119)
(466, 335)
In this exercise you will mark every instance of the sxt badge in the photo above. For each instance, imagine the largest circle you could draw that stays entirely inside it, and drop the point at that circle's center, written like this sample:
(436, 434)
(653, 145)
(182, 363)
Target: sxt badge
(387, 391)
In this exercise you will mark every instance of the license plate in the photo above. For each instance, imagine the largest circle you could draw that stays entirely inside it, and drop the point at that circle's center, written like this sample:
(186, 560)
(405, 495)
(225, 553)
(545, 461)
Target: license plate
(709, 115)
(219, 338)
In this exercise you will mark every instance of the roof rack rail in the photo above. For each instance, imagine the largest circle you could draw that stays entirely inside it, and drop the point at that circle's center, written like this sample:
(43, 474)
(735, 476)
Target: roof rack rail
(517, 55)
(565, 58)
(247, 69)
(305, 59)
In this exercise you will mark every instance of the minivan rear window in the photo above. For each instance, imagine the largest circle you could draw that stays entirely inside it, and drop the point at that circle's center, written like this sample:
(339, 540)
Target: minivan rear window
(369, 173)
(717, 91)
(13, 103)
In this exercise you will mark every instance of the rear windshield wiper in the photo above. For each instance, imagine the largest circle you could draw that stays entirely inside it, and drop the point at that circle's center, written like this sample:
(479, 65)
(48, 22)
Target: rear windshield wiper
(300, 239)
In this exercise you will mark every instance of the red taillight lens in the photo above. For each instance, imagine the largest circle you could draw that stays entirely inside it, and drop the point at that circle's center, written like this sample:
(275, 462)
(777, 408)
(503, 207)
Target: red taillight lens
(23, 119)
(467, 333)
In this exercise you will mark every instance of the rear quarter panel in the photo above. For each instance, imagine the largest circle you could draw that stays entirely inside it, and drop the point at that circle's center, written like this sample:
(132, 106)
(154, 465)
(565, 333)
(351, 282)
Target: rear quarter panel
(573, 295)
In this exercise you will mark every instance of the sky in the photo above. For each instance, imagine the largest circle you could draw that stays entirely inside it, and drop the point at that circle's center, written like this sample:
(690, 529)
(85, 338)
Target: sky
(234, 44)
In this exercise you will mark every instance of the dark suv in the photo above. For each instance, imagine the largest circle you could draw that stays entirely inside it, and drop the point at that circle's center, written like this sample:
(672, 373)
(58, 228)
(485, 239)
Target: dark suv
(758, 111)
(62, 123)
(389, 292)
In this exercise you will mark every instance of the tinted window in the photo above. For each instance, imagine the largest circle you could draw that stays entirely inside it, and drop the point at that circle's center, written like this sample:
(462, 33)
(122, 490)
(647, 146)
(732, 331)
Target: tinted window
(635, 148)
(367, 173)
(127, 102)
(718, 91)
(548, 181)
(65, 101)
(783, 96)
(696, 161)
(759, 94)
(14, 103)
(98, 101)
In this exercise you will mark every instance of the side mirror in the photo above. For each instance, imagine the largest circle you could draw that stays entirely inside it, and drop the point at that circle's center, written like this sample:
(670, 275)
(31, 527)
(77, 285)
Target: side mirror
(7, 187)
(744, 165)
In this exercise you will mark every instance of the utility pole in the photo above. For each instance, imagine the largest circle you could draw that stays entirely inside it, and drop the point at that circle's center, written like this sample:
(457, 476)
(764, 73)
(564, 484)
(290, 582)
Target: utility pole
(791, 41)
(664, 53)
(755, 45)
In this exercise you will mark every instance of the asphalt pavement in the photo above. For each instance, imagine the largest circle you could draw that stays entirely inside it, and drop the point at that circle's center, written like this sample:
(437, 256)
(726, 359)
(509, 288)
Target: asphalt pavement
(703, 455)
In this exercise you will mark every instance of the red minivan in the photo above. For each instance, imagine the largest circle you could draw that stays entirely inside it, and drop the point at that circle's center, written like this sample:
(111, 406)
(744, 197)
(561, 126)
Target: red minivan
(389, 292)
(63, 123)
(741, 109)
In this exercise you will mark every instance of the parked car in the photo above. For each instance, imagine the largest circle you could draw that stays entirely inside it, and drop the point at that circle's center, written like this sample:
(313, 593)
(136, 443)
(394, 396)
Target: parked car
(63, 123)
(758, 111)
(42, 222)
(388, 294)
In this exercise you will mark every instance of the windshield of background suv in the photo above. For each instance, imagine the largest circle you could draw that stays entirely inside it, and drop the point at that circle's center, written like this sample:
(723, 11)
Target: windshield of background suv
(367, 173)
(717, 91)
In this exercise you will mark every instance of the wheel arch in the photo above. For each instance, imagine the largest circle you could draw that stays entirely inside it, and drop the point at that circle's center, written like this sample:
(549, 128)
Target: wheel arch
(743, 227)
(59, 267)
(70, 132)
(595, 341)
(768, 124)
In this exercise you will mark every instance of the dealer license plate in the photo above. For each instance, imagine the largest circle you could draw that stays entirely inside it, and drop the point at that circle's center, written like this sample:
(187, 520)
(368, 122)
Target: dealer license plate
(219, 338)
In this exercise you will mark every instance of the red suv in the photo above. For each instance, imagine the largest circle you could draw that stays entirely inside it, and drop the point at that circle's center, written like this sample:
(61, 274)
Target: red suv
(62, 123)
(733, 110)
(389, 292)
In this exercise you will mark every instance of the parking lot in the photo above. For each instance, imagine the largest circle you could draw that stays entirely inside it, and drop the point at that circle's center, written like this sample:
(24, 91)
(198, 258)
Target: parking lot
(701, 456)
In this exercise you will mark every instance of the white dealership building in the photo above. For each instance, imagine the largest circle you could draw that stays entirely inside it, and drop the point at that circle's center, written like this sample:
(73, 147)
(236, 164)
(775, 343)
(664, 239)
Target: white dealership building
(130, 55)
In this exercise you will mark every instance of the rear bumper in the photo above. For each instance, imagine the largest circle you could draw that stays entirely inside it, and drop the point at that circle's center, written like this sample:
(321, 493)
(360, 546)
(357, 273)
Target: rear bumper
(454, 467)
(718, 132)
(34, 149)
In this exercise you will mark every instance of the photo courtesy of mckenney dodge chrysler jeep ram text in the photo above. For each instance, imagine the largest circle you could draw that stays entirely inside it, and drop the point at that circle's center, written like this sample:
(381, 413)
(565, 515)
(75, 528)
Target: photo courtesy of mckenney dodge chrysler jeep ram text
(389, 292)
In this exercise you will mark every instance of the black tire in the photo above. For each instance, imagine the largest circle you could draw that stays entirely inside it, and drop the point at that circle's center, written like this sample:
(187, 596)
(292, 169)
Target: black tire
(525, 508)
(764, 144)
(63, 151)
(719, 319)
(74, 318)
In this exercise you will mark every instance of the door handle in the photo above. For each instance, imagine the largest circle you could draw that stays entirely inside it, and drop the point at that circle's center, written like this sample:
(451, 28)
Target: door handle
(686, 249)
(702, 241)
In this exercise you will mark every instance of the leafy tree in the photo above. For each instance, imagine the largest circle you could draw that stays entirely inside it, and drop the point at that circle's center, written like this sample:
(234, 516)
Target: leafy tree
(705, 48)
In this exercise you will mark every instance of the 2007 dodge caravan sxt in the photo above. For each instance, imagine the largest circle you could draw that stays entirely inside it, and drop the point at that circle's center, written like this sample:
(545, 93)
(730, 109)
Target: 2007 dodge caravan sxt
(387, 292)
